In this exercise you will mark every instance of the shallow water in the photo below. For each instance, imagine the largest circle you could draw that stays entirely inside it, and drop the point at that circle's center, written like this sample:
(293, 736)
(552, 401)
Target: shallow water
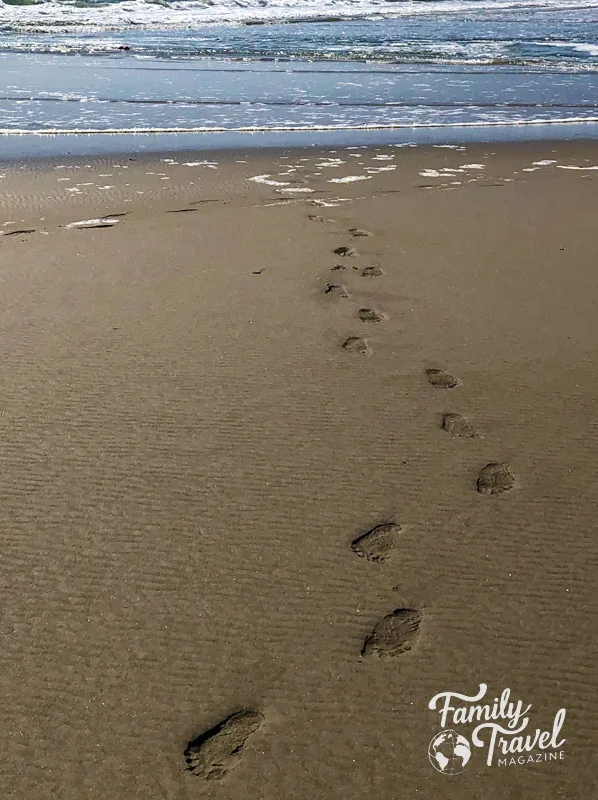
(449, 65)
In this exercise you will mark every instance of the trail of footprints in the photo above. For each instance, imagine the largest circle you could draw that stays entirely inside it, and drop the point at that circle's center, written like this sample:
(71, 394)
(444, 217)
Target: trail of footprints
(213, 753)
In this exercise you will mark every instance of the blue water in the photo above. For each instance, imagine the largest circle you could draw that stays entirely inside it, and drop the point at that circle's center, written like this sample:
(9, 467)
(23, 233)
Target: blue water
(442, 65)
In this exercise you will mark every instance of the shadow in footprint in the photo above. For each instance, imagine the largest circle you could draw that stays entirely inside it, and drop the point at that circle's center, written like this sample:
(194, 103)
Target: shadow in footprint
(378, 543)
(394, 634)
(213, 753)
(358, 232)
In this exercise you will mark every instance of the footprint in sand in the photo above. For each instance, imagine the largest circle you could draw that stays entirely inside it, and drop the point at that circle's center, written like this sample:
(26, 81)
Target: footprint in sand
(369, 315)
(372, 272)
(336, 289)
(213, 753)
(337, 267)
(394, 634)
(318, 218)
(442, 379)
(495, 478)
(457, 425)
(358, 232)
(355, 344)
(346, 252)
(377, 544)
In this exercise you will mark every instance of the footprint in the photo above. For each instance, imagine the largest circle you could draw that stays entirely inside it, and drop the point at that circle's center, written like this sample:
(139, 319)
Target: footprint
(372, 272)
(355, 344)
(345, 251)
(337, 267)
(377, 544)
(336, 289)
(369, 315)
(394, 634)
(457, 425)
(318, 218)
(495, 478)
(213, 753)
(359, 232)
(442, 379)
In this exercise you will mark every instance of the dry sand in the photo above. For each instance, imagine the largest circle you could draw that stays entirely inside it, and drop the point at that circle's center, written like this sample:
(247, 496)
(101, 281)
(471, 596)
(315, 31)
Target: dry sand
(201, 411)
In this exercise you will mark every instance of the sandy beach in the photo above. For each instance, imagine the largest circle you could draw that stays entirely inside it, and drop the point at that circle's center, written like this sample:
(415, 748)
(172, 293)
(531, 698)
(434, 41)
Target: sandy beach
(221, 371)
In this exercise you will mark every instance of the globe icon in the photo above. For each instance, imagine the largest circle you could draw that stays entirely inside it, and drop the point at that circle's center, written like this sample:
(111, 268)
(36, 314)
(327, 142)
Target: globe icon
(449, 752)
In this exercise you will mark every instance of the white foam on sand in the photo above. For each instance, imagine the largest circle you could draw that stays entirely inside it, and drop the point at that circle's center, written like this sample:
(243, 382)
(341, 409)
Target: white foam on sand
(266, 180)
(208, 164)
(544, 163)
(350, 179)
(573, 166)
(90, 223)
(332, 203)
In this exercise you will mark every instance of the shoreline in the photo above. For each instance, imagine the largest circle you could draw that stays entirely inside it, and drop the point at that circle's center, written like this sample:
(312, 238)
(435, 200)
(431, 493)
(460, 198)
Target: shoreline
(45, 146)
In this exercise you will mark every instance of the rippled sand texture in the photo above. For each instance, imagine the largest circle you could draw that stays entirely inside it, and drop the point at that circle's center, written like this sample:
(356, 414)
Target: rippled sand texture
(239, 555)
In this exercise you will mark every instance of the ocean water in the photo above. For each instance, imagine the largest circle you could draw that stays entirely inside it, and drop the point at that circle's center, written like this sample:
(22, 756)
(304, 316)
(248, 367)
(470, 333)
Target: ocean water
(214, 68)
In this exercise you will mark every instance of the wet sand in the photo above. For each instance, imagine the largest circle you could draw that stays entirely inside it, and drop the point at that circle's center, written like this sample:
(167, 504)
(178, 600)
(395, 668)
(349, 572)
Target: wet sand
(205, 409)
